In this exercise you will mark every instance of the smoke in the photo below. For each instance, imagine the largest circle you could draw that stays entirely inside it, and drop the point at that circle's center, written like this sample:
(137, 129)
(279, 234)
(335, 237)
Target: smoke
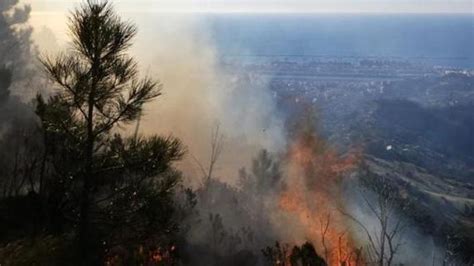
(415, 246)
(17, 64)
(16, 47)
(46, 40)
(199, 94)
(19, 138)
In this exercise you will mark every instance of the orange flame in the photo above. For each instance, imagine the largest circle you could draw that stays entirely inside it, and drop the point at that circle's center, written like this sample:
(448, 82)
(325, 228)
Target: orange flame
(313, 195)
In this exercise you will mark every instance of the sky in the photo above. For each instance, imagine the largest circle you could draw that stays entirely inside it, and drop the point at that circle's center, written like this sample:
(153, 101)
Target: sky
(398, 6)
(52, 13)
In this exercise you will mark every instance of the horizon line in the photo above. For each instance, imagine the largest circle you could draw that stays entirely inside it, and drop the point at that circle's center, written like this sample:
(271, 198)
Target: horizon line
(289, 12)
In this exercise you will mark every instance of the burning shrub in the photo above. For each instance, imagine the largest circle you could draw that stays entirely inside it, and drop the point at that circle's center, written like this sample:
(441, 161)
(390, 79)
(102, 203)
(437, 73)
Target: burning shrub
(313, 192)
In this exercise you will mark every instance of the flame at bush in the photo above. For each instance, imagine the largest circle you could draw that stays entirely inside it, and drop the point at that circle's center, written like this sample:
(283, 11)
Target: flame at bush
(313, 194)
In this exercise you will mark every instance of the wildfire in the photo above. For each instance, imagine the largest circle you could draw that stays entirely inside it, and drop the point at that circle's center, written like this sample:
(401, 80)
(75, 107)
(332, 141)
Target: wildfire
(313, 195)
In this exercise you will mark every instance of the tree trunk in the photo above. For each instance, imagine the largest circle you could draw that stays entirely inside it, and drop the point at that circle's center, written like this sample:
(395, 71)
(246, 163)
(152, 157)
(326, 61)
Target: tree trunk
(85, 195)
(84, 223)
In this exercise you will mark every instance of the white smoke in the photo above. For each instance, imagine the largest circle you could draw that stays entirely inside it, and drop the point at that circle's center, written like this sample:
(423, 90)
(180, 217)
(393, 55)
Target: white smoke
(198, 94)
(415, 247)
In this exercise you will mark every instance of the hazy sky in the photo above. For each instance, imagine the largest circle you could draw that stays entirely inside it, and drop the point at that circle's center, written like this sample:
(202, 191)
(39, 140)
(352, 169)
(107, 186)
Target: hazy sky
(413, 6)
(52, 13)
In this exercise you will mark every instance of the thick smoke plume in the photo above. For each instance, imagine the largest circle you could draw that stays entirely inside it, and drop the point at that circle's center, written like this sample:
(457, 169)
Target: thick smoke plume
(199, 95)
(16, 48)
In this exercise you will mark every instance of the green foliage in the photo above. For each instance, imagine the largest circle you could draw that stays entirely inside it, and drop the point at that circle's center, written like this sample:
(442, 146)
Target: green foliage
(99, 83)
(113, 190)
(138, 185)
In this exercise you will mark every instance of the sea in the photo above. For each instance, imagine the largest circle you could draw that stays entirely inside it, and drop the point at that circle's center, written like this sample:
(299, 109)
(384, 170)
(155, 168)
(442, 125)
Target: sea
(436, 39)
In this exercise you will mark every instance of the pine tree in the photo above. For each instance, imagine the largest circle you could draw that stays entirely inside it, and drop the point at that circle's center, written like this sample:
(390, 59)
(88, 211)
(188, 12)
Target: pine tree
(116, 189)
